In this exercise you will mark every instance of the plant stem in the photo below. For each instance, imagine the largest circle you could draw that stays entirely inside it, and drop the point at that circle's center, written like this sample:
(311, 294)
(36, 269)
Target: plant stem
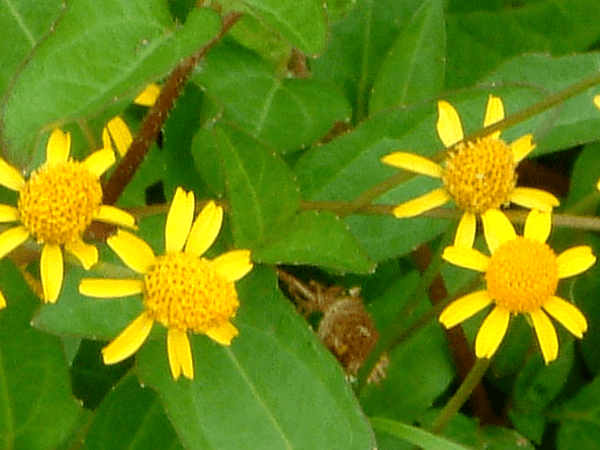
(157, 115)
(461, 395)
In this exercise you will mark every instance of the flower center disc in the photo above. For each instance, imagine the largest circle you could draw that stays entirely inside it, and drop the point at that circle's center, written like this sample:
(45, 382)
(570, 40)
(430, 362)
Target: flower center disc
(522, 274)
(185, 292)
(480, 175)
(58, 202)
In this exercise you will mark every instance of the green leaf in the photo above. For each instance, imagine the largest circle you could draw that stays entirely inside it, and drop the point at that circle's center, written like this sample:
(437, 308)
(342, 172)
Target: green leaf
(572, 123)
(24, 24)
(479, 41)
(580, 420)
(358, 46)
(260, 187)
(314, 238)
(302, 23)
(268, 106)
(131, 417)
(37, 410)
(414, 66)
(102, 50)
(585, 175)
(414, 435)
(275, 387)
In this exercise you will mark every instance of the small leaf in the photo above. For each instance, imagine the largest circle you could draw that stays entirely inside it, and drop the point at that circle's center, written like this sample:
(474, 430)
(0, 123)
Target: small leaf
(286, 114)
(414, 435)
(302, 23)
(314, 238)
(580, 419)
(260, 187)
(131, 417)
(276, 387)
(415, 65)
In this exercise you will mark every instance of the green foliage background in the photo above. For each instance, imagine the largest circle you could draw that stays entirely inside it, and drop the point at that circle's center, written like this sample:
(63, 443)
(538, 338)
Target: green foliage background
(255, 133)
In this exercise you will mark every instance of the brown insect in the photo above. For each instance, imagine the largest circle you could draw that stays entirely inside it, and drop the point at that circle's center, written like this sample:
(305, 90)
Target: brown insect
(346, 328)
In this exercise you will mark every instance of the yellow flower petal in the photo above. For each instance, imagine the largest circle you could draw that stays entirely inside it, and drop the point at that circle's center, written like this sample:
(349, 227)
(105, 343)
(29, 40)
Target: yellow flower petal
(205, 229)
(532, 198)
(465, 307)
(494, 112)
(116, 216)
(59, 146)
(51, 271)
(110, 287)
(120, 134)
(10, 177)
(468, 258)
(8, 213)
(574, 261)
(522, 147)
(223, 334)
(132, 250)
(598, 185)
(148, 96)
(180, 354)
(567, 314)
(87, 254)
(99, 161)
(413, 163)
(179, 220)
(2, 301)
(538, 225)
(106, 142)
(129, 341)
(465, 233)
(497, 229)
(233, 265)
(448, 125)
(546, 334)
(421, 204)
(597, 101)
(12, 238)
(491, 333)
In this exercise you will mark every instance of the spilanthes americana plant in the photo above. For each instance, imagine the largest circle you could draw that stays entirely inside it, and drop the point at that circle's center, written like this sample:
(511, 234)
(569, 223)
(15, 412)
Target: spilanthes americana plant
(215, 232)
(478, 175)
(181, 290)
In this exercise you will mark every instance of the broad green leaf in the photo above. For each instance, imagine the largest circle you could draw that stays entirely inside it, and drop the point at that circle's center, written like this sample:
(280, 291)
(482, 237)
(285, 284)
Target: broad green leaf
(260, 187)
(102, 50)
(572, 123)
(580, 420)
(315, 238)
(302, 23)
(585, 175)
(414, 66)
(478, 41)
(24, 24)
(275, 387)
(414, 435)
(131, 417)
(406, 393)
(37, 410)
(287, 114)
(358, 46)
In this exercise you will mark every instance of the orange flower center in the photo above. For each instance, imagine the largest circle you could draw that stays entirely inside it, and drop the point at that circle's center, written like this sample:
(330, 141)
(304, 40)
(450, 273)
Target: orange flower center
(59, 201)
(522, 274)
(185, 292)
(480, 175)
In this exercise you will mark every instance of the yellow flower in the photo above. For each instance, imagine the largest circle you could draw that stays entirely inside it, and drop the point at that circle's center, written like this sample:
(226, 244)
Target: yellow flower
(55, 206)
(478, 175)
(116, 128)
(521, 276)
(180, 289)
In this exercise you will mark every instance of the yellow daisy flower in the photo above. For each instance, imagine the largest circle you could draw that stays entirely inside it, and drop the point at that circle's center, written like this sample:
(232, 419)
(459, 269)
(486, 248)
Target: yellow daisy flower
(180, 289)
(56, 205)
(478, 175)
(521, 276)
